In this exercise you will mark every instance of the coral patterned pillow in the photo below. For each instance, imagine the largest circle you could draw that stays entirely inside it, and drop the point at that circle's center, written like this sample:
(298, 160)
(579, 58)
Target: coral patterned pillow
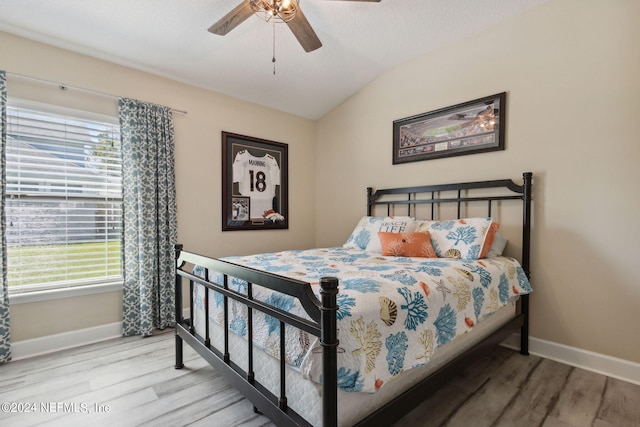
(360, 236)
(489, 239)
(407, 244)
(467, 238)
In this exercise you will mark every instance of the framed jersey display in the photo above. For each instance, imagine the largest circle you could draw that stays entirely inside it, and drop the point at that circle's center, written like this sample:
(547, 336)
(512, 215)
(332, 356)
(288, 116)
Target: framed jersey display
(254, 183)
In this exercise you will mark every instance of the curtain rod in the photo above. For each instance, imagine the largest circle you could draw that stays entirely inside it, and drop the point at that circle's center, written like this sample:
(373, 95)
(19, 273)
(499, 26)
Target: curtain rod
(63, 86)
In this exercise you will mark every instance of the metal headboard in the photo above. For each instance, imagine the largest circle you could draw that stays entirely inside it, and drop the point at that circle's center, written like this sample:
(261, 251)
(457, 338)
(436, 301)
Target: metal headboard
(488, 192)
(460, 195)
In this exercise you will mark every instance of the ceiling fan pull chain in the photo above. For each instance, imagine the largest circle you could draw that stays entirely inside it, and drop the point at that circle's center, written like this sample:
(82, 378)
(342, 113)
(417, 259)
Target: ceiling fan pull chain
(274, 49)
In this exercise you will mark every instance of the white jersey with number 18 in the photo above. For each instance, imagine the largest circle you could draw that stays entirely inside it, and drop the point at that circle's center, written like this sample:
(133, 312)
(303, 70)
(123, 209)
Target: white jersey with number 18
(257, 178)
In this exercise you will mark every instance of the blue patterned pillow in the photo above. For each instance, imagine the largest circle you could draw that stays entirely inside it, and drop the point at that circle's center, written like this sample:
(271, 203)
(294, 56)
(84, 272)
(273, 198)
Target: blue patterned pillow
(466, 238)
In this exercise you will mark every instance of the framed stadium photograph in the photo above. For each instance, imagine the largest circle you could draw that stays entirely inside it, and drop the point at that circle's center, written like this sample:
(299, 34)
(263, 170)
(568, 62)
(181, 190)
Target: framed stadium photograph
(254, 183)
(471, 127)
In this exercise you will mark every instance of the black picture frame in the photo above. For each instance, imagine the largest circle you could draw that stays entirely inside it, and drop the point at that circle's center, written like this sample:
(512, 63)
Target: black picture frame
(471, 127)
(254, 183)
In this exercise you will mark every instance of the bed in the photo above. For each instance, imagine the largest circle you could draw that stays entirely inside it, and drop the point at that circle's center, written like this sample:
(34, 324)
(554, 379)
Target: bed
(362, 333)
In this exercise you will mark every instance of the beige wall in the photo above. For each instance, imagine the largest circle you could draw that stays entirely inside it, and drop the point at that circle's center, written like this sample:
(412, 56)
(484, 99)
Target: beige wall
(44, 318)
(198, 165)
(571, 72)
(570, 69)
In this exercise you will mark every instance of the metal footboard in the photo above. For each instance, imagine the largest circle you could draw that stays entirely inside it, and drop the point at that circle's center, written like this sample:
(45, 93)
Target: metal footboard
(323, 325)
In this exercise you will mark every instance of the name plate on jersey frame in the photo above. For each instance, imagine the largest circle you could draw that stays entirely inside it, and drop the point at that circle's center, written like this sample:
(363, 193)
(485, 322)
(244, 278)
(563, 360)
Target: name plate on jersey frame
(254, 183)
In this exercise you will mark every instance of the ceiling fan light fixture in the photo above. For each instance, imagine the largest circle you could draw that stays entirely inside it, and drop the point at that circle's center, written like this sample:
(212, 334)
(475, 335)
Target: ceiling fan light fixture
(275, 10)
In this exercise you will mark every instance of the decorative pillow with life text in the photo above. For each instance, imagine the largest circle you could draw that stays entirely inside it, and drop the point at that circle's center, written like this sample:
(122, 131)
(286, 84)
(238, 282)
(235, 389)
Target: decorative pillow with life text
(466, 238)
(393, 224)
(365, 235)
(417, 244)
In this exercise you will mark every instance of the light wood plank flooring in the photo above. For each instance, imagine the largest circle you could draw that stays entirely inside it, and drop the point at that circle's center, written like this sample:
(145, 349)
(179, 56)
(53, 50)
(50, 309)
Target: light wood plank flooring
(132, 382)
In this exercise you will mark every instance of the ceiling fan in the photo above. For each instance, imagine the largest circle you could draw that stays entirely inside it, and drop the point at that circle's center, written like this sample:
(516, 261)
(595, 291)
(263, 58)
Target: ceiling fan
(287, 11)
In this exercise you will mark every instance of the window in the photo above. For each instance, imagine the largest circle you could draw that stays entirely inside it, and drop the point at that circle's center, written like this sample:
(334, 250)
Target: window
(63, 198)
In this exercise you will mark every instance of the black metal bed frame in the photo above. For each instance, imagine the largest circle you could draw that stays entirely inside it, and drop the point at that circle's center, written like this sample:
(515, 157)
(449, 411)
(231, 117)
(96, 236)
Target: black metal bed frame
(323, 311)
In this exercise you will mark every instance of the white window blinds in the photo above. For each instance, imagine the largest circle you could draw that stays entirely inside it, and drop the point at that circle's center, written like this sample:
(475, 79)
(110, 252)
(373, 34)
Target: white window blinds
(63, 198)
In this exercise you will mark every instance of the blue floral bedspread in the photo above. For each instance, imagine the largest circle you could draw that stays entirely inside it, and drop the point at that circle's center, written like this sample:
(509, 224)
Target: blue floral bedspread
(394, 312)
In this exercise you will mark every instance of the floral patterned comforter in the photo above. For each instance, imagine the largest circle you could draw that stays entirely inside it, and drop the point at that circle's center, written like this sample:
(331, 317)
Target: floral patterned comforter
(394, 312)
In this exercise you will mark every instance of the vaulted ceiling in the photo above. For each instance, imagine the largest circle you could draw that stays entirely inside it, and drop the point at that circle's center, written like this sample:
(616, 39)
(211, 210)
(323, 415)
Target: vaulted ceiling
(361, 40)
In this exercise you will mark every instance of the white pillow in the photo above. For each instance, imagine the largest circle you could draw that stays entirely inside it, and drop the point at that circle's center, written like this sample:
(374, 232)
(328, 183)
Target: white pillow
(498, 245)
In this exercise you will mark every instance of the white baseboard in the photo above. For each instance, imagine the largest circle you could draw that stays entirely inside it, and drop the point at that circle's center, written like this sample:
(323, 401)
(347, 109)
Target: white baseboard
(596, 362)
(600, 363)
(65, 340)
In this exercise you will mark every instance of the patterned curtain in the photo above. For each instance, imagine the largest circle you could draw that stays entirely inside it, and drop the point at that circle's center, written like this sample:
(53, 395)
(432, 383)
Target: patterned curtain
(5, 342)
(149, 216)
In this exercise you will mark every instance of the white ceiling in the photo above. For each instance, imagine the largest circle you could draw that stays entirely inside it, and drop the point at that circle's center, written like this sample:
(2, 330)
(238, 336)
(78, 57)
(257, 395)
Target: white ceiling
(361, 40)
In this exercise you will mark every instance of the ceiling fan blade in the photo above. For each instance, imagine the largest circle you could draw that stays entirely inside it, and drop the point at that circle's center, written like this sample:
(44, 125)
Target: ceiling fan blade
(232, 19)
(301, 28)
